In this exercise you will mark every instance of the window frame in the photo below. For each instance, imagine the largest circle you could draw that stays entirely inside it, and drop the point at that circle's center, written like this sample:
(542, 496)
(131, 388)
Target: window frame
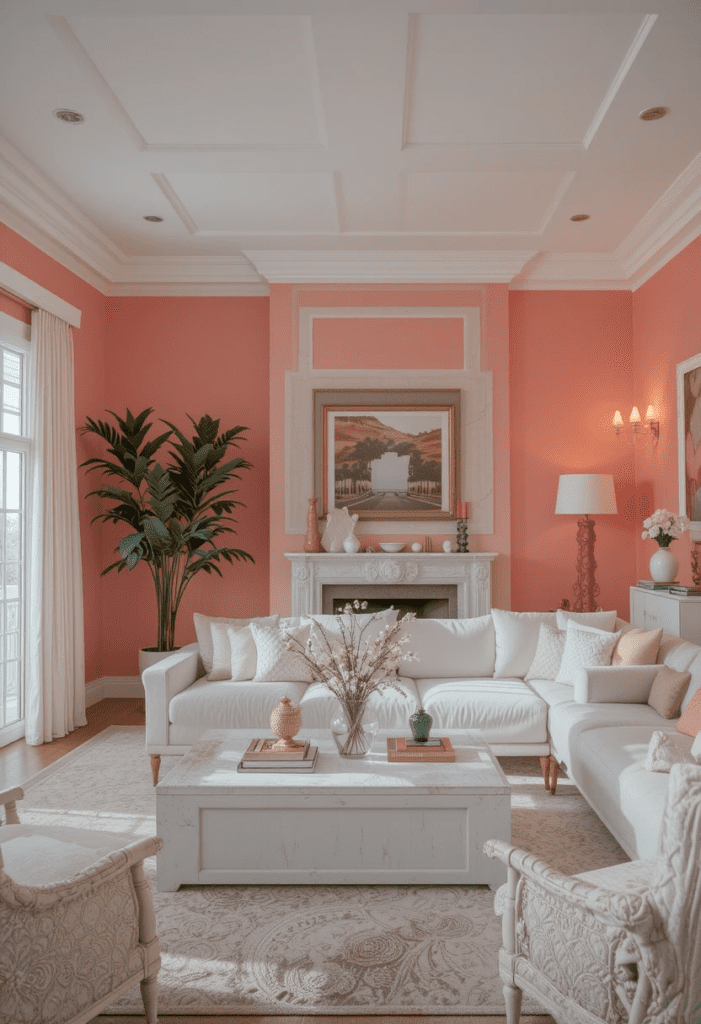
(15, 335)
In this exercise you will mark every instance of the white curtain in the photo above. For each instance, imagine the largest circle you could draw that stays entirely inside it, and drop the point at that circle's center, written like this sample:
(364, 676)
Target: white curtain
(55, 666)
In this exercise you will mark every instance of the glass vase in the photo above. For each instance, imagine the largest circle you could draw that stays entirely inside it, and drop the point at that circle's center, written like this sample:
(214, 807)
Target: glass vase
(354, 728)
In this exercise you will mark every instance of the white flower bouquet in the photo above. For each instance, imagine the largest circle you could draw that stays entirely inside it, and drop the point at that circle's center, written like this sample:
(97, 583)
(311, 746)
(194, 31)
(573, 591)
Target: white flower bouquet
(664, 527)
(353, 665)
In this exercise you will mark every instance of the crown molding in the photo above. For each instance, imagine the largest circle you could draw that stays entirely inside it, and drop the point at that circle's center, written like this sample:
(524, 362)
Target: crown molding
(299, 267)
(572, 271)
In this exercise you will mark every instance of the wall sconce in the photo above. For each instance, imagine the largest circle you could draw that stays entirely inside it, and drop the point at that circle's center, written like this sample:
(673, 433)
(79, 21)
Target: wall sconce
(637, 427)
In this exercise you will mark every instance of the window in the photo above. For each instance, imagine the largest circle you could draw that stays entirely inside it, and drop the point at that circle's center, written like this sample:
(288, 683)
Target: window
(15, 452)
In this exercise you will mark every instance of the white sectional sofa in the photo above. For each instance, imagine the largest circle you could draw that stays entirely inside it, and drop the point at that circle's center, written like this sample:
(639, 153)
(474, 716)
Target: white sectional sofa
(469, 674)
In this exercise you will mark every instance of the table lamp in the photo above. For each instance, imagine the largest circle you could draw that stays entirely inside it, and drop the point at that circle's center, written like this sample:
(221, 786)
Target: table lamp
(582, 494)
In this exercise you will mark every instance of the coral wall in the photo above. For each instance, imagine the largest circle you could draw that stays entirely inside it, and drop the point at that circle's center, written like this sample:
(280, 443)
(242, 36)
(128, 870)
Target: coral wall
(421, 343)
(89, 355)
(571, 363)
(666, 325)
(190, 356)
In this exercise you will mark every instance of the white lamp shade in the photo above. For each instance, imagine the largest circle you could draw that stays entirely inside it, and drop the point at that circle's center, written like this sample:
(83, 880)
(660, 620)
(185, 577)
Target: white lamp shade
(586, 494)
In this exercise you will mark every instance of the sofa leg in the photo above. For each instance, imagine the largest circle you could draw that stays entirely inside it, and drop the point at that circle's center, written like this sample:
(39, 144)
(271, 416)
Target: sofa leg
(554, 769)
(155, 767)
(545, 769)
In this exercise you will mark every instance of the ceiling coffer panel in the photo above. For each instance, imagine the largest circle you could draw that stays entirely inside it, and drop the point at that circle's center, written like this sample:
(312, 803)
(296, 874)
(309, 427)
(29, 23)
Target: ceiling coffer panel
(238, 80)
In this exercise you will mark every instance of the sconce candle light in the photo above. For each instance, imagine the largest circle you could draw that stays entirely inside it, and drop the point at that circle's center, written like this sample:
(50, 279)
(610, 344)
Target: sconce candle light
(651, 424)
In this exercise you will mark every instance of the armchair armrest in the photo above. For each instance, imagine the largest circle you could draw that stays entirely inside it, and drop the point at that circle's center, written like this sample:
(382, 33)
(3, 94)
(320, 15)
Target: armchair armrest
(161, 683)
(614, 684)
(620, 910)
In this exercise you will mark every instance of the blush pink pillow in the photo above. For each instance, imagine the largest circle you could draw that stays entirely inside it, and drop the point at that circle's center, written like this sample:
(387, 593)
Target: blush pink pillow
(637, 647)
(690, 722)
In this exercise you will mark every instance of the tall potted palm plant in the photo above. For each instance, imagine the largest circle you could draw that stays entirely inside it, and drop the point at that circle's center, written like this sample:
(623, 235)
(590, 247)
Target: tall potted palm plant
(174, 512)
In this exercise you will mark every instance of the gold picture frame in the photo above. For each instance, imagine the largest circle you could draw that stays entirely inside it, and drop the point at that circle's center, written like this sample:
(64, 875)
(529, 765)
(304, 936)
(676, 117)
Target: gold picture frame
(387, 454)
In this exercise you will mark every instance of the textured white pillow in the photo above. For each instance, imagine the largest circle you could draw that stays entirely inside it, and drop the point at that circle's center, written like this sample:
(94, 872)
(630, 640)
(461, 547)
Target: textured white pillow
(449, 648)
(548, 655)
(663, 752)
(584, 647)
(516, 640)
(600, 620)
(203, 629)
(275, 663)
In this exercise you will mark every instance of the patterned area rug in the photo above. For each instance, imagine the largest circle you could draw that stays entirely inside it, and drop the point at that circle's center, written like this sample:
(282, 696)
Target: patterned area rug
(341, 950)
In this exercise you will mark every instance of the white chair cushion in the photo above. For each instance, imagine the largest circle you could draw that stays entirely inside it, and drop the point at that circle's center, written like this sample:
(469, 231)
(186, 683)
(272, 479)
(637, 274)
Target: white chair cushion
(450, 647)
(506, 710)
(42, 855)
(227, 705)
(391, 709)
(204, 632)
(517, 640)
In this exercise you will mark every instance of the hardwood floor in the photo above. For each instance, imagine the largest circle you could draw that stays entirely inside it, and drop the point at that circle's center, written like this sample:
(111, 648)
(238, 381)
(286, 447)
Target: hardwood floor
(18, 762)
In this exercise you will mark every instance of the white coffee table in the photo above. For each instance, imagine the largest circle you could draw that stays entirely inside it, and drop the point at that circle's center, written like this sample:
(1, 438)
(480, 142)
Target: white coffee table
(349, 822)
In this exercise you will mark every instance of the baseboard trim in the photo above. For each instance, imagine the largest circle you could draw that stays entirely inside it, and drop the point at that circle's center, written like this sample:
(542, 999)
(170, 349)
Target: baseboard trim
(113, 686)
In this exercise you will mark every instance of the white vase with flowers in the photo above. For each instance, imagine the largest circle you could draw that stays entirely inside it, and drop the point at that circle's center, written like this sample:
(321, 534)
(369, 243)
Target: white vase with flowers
(664, 527)
(355, 661)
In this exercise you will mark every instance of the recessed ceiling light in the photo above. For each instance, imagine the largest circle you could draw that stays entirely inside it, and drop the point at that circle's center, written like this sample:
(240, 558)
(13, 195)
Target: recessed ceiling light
(69, 116)
(580, 216)
(153, 218)
(653, 113)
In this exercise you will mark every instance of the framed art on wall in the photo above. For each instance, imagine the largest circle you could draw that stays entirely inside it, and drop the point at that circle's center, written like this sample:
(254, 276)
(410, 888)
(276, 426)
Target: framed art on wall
(387, 454)
(689, 435)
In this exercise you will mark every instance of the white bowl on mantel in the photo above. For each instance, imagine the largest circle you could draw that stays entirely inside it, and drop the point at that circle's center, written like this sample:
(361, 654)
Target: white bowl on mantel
(391, 546)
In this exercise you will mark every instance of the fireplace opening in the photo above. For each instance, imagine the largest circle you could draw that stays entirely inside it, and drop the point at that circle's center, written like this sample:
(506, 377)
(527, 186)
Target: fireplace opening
(439, 601)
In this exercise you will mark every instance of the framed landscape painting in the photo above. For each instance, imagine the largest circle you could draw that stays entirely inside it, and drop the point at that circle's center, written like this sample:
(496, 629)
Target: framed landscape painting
(387, 454)
(689, 437)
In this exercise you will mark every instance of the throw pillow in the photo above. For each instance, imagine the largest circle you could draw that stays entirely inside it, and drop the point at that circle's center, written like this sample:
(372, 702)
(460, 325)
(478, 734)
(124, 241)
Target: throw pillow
(637, 647)
(244, 656)
(584, 647)
(690, 722)
(516, 637)
(662, 753)
(600, 620)
(275, 664)
(548, 654)
(696, 748)
(668, 691)
(203, 630)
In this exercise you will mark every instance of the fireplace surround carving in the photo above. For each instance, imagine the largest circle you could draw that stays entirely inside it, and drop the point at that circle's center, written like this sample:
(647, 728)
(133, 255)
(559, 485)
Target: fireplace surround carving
(470, 574)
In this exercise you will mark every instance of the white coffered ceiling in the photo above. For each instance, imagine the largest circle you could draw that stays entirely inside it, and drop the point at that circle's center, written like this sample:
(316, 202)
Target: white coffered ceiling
(351, 140)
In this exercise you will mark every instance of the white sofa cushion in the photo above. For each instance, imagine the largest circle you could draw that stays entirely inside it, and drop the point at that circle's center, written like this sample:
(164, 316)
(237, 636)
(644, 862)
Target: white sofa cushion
(227, 705)
(450, 647)
(548, 655)
(614, 684)
(599, 620)
(516, 638)
(507, 710)
(204, 632)
(391, 708)
(275, 663)
(584, 646)
(567, 722)
(609, 769)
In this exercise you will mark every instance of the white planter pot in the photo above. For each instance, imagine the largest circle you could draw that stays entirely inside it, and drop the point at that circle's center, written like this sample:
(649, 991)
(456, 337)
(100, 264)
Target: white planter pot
(664, 566)
(148, 658)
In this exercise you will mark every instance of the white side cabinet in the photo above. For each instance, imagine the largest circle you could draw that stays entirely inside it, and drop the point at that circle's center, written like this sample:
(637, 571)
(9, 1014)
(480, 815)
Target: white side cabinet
(680, 616)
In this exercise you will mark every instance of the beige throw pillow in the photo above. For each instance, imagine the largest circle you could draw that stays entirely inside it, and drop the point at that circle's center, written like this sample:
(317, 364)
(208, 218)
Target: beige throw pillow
(668, 691)
(637, 647)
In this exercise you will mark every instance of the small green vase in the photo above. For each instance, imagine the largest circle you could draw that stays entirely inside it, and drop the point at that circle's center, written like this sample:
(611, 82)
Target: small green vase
(420, 723)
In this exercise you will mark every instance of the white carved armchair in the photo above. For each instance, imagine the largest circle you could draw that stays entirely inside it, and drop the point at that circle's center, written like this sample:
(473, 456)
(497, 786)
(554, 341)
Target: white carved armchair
(77, 927)
(621, 945)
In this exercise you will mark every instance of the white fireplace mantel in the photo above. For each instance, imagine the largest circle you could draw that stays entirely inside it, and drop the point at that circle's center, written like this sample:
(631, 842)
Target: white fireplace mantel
(470, 573)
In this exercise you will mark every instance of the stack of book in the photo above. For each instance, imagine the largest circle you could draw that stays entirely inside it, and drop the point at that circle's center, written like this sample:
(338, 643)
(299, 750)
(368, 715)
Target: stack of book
(653, 585)
(683, 591)
(409, 751)
(261, 756)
